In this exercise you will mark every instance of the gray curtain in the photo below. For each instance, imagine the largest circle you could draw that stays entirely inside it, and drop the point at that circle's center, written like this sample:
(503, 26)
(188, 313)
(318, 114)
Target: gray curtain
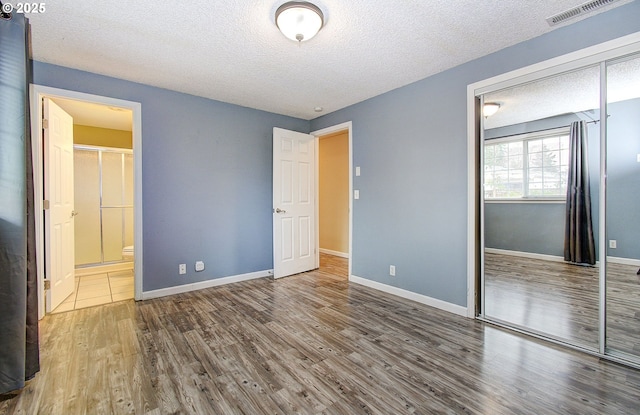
(19, 358)
(579, 245)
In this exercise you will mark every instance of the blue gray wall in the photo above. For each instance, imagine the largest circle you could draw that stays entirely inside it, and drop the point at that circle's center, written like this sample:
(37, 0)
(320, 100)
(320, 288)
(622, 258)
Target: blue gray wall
(623, 178)
(411, 146)
(206, 178)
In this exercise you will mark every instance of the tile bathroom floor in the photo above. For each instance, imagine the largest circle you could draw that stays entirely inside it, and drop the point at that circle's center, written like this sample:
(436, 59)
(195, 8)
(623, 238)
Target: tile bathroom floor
(97, 289)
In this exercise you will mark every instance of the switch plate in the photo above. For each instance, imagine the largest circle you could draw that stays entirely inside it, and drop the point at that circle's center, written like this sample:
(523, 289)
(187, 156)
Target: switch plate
(356, 194)
(392, 270)
(613, 243)
(358, 167)
(199, 266)
(638, 157)
(182, 269)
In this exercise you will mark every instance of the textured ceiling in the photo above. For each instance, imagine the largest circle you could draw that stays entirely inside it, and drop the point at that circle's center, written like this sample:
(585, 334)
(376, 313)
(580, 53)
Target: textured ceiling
(95, 115)
(231, 50)
(571, 92)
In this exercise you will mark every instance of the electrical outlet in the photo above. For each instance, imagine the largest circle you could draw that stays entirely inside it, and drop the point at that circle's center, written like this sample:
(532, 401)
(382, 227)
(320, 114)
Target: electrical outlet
(613, 243)
(199, 266)
(392, 270)
(182, 269)
(356, 194)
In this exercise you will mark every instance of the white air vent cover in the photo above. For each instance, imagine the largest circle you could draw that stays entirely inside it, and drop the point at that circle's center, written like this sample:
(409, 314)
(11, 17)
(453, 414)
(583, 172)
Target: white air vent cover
(587, 7)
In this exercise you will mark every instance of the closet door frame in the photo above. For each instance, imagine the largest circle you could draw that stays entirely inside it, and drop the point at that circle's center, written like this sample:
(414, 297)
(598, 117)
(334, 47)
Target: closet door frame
(591, 56)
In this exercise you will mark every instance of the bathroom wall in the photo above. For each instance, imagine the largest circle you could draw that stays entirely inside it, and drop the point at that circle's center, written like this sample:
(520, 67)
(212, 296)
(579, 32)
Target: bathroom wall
(101, 137)
(334, 193)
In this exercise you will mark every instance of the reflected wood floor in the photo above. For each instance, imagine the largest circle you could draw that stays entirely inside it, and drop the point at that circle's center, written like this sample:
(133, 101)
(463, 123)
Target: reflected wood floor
(561, 300)
(312, 343)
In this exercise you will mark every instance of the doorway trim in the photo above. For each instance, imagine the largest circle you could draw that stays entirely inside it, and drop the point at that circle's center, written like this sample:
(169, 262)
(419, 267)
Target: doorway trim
(348, 126)
(36, 94)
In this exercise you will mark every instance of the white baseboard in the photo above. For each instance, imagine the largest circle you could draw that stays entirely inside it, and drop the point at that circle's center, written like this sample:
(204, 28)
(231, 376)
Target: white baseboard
(624, 261)
(554, 258)
(410, 295)
(336, 253)
(147, 295)
(532, 255)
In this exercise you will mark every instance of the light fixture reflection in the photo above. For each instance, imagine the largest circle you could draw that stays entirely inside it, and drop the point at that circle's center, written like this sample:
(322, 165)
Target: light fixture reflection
(490, 108)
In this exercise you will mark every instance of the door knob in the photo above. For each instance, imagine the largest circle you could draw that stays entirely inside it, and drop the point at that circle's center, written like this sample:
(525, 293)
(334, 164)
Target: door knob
(74, 213)
(278, 210)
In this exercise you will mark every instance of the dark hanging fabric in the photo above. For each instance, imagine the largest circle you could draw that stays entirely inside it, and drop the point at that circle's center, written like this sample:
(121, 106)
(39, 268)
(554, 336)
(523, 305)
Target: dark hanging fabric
(18, 296)
(32, 355)
(579, 245)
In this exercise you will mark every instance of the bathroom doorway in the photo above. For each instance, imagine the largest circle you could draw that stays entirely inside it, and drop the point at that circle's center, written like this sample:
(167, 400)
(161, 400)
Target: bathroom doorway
(107, 189)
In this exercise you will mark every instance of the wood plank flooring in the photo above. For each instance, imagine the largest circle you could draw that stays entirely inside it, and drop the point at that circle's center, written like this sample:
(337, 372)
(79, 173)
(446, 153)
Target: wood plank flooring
(561, 300)
(307, 344)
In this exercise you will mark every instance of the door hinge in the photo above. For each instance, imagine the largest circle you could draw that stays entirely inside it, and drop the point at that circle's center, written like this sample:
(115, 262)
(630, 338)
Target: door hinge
(47, 284)
(45, 205)
(45, 123)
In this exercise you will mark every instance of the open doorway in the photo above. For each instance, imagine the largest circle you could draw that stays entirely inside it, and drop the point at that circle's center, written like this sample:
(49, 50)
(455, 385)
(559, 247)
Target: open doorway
(334, 198)
(103, 203)
(107, 144)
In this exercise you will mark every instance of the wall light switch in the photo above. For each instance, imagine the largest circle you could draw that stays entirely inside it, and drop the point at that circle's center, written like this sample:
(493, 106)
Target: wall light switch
(358, 167)
(356, 194)
(638, 157)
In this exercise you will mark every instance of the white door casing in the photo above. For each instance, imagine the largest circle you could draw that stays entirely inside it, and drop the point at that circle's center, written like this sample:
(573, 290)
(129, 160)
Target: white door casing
(58, 190)
(294, 239)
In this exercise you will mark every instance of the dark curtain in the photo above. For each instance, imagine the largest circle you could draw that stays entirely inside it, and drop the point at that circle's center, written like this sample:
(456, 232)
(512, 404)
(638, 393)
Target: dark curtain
(19, 358)
(579, 245)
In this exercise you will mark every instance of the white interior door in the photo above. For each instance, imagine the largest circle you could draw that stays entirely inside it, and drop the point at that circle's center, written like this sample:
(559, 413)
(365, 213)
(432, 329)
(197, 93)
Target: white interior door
(294, 192)
(58, 190)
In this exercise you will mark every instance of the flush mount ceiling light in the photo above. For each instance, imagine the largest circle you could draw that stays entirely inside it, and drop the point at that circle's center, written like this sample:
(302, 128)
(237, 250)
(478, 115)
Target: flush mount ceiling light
(490, 108)
(299, 20)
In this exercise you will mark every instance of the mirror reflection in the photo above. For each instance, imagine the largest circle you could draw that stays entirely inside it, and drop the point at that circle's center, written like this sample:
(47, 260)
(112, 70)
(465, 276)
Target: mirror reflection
(541, 167)
(623, 207)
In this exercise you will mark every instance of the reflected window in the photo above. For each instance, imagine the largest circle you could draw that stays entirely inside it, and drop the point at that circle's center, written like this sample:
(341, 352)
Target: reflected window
(533, 165)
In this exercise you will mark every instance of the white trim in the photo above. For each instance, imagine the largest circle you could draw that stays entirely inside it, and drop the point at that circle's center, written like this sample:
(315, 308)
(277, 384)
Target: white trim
(410, 295)
(178, 289)
(574, 60)
(588, 56)
(526, 200)
(335, 253)
(553, 258)
(333, 129)
(623, 261)
(532, 255)
(534, 135)
(37, 93)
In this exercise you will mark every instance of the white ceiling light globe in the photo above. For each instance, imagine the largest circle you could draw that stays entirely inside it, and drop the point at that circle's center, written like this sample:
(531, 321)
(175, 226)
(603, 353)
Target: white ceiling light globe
(299, 20)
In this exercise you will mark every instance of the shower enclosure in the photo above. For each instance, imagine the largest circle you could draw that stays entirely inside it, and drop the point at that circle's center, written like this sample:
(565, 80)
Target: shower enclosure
(103, 179)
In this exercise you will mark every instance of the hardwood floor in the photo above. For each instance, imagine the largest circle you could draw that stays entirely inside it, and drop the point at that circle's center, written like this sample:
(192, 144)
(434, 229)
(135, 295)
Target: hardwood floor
(561, 300)
(309, 344)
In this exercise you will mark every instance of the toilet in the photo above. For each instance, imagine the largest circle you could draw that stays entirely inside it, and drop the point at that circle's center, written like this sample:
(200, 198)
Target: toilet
(127, 253)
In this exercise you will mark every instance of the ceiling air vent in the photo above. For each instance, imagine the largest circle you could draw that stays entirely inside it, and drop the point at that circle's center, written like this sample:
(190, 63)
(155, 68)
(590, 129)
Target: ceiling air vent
(587, 7)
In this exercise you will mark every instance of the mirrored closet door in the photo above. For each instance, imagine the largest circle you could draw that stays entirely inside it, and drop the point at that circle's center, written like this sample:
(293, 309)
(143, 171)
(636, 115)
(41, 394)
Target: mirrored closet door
(539, 275)
(623, 208)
